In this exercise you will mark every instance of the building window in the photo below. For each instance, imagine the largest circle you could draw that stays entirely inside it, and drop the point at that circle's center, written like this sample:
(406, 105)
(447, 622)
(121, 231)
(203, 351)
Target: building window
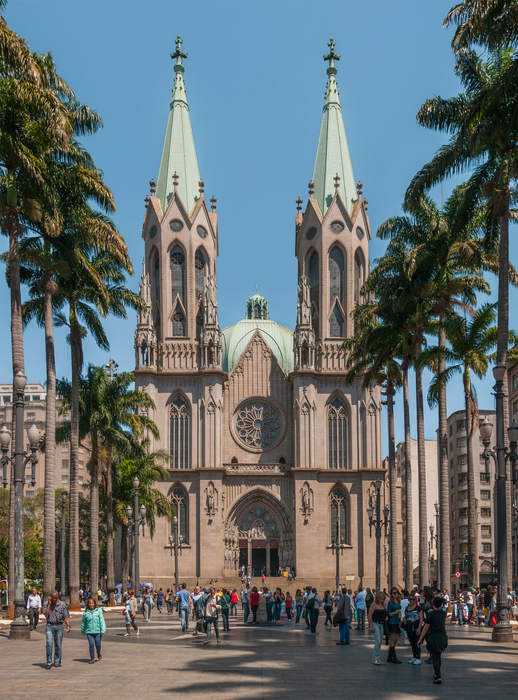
(463, 532)
(462, 459)
(485, 512)
(463, 495)
(462, 478)
(339, 515)
(336, 292)
(180, 501)
(515, 409)
(485, 495)
(155, 290)
(514, 381)
(485, 478)
(64, 478)
(178, 281)
(180, 433)
(461, 426)
(359, 274)
(486, 547)
(461, 443)
(486, 530)
(337, 433)
(65, 464)
(463, 513)
(313, 276)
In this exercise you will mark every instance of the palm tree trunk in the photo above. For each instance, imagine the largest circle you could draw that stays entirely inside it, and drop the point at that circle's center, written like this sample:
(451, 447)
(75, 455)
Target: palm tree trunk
(94, 522)
(393, 541)
(424, 574)
(472, 513)
(409, 519)
(76, 355)
(110, 565)
(49, 507)
(444, 476)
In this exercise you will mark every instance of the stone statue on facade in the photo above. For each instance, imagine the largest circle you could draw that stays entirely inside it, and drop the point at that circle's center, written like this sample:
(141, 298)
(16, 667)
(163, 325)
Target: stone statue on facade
(307, 501)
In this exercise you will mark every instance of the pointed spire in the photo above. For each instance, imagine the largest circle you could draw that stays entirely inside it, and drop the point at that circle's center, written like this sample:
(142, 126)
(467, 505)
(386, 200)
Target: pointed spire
(179, 153)
(333, 152)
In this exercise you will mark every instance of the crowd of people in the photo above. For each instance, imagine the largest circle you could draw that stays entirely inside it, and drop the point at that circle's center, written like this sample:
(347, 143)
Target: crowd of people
(418, 617)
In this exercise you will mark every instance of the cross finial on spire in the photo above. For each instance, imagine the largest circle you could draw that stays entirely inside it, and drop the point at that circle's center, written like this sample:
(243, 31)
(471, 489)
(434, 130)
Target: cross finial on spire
(299, 203)
(331, 57)
(213, 203)
(179, 54)
(152, 187)
(337, 181)
(175, 181)
(311, 188)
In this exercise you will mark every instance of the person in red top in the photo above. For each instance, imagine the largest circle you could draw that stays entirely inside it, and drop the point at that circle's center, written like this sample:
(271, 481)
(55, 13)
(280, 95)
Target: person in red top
(289, 604)
(234, 599)
(254, 604)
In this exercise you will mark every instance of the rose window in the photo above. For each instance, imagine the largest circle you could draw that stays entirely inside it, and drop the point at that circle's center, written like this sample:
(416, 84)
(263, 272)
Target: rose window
(258, 425)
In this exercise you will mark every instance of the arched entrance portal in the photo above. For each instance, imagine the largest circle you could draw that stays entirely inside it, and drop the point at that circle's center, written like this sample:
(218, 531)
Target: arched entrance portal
(258, 535)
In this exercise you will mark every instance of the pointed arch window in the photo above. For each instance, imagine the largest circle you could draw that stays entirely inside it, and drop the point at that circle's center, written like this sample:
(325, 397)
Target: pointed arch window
(180, 501)
(155, 290)
(359, 274)
(178, 276)
(313, 276)
(336, 322)
(336, 292)
(339, 516)
(337, 434)
(180, 439)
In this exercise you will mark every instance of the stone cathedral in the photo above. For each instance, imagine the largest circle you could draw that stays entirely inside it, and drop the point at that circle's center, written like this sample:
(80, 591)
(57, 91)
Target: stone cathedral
(272, 454)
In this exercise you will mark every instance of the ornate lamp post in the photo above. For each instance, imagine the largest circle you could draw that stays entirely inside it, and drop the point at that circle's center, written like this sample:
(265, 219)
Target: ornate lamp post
(438, 541)
(175, 545)
(20, 460)
(376, 522)
(338, 546)
(434, 544)
(138, 522)
(502, 631)
(62, 587)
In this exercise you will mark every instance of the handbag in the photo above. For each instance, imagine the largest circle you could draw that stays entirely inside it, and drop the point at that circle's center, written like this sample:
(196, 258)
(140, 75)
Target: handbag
(338, 618)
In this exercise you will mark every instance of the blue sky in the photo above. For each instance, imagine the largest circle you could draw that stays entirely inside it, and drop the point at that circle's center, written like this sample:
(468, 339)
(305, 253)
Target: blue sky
(255, 81)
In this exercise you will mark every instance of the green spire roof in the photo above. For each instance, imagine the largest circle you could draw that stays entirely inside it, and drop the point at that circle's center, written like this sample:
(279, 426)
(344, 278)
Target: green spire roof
(179, 154)
(333, 152)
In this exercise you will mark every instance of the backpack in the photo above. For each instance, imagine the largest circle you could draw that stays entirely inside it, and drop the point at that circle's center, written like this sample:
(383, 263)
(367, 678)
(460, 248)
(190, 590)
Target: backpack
(369, 599)
(310, 603)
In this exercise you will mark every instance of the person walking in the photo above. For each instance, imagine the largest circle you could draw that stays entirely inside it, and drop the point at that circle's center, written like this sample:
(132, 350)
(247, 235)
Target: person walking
(245, 602)
(434, 631)
(412, 622)
(58, 618)
(33, 608)
(169, 601)
(94, 626)
(130, 613)
(316, 601)
(224, 601)
(377, 617)
(212, 608)
(160, 600)
(343, 617)
(234, 600)
(299, 604)
(183, 598)
(254, 604)
(328, 607)
(147, 604)
(360, 608)
(394, 617)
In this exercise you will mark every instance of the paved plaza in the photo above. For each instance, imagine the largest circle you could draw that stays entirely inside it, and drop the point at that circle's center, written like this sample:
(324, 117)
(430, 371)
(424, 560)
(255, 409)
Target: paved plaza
(283, 661)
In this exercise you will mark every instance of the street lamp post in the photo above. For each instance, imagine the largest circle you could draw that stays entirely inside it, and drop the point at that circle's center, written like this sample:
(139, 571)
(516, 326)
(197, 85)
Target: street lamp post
(434, 543)
(20, 460)
(138, 522)
(376, 522)
(438, 542)
(502, 631)
(63, 539)
(338, 545)
(175, 545)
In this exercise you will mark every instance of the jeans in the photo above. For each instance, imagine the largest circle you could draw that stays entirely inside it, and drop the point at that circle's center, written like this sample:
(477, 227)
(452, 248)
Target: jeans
(159, 605)
(345, 632)
(224, 617)
(269, 610)
(288, 612)
(233, 609)
(246, 611)
(277, 611)
(361, 619)
(33, 618)
(212, 621)
(147, 611)
(54, 635)
(298, 609)
(94, 642)
(314, 619)
(184, 617)
(378, 638)
(436, 661)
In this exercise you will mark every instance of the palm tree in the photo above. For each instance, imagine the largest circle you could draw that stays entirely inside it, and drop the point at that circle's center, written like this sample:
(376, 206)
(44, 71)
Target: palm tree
(491, 23)
(471, 341)
(148, 468)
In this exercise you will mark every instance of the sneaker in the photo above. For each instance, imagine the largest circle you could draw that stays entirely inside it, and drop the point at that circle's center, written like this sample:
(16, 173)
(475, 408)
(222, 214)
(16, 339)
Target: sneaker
(138, 633)
(48, 666)
(417, 662)
(126, 635)
(412, 660)
(57, 665)
(92, 661)
(377, 662)
(99, 658)
(438, 681)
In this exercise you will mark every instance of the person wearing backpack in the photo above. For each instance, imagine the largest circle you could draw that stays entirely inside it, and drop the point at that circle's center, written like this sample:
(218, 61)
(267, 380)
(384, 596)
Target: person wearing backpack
(328, 607)
(412, 622)
(342, 618)
(224, 601)
(212, 608)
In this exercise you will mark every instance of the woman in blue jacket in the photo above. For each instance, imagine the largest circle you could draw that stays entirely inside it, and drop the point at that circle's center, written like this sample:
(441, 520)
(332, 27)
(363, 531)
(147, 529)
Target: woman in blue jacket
(94, 626)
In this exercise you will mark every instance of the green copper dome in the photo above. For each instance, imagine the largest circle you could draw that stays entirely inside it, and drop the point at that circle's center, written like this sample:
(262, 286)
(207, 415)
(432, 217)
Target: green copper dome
(278, 338)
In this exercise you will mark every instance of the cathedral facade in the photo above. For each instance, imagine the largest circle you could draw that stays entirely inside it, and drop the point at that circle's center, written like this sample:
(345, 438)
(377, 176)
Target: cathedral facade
(272, 454)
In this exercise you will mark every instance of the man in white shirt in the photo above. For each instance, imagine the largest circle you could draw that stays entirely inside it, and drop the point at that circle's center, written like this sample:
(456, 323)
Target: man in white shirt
(33, 608)
(360, 608)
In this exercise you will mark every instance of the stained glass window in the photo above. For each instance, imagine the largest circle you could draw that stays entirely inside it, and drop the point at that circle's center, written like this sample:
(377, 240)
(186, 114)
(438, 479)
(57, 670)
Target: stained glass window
(337, 435)
(180, 433)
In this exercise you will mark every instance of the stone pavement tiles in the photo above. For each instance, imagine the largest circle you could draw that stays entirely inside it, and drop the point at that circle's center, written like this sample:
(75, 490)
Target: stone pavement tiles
(283, 661)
